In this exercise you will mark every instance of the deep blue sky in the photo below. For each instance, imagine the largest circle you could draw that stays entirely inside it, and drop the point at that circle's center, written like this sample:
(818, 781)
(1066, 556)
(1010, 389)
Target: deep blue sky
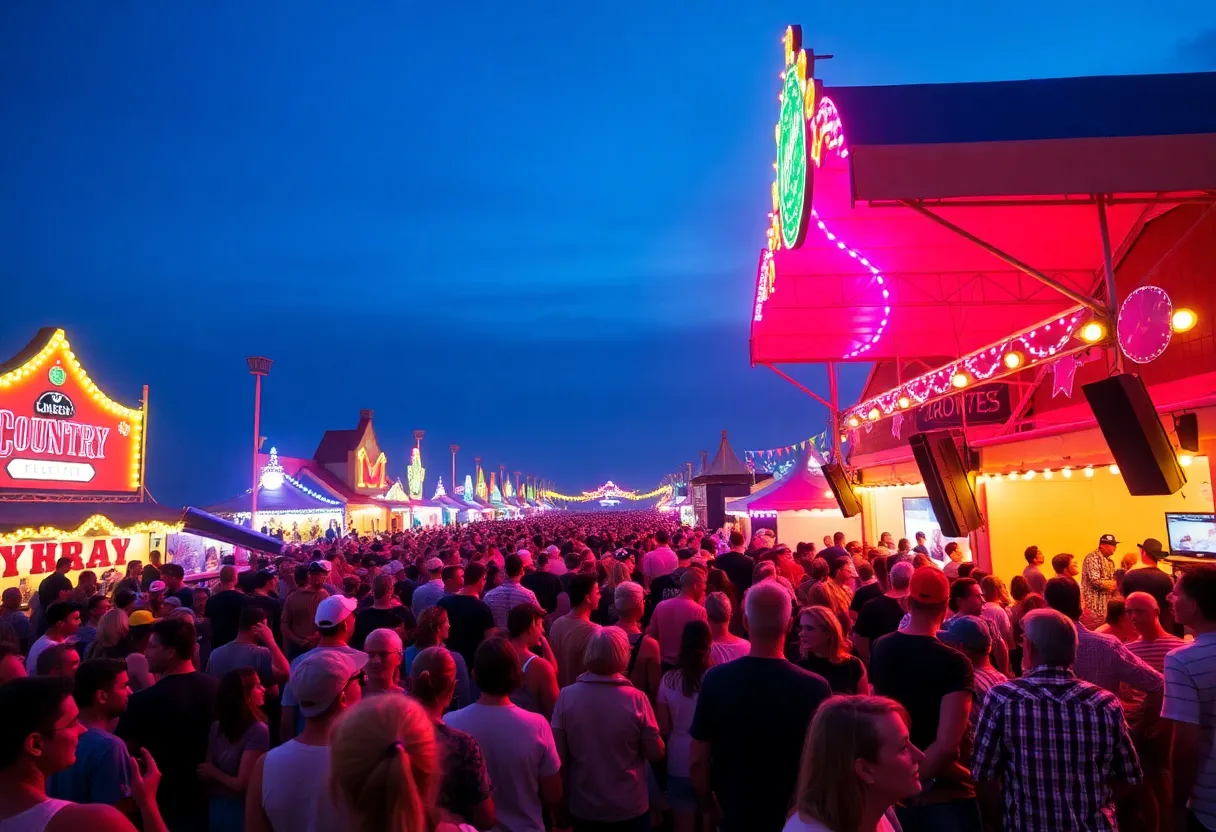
(529, 228)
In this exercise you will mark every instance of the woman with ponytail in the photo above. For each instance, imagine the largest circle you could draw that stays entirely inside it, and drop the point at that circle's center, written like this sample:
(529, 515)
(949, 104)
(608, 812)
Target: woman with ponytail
(465, 790)
(386, 768)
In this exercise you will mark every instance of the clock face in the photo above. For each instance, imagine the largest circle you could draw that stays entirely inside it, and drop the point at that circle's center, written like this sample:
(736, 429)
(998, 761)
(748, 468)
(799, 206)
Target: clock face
(1144, 324)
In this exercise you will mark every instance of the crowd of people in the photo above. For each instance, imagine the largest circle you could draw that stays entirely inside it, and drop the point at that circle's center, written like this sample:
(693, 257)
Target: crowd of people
(612, 671)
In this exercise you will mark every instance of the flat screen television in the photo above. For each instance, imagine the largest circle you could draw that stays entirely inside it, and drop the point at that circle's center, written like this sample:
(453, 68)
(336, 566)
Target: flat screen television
(1191, 534)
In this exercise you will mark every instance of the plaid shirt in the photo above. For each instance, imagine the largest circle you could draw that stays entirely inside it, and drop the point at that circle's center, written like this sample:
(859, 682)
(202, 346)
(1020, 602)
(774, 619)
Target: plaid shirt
(1056, 742)
(506, 597)
(1106, 662)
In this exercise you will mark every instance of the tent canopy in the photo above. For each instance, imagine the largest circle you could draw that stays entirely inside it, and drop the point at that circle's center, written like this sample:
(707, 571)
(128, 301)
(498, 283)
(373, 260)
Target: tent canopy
(1016, 164)
(804, 487)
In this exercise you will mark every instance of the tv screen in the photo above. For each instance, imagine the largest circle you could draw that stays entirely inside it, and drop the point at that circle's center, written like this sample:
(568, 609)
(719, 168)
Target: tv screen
(1191, 534)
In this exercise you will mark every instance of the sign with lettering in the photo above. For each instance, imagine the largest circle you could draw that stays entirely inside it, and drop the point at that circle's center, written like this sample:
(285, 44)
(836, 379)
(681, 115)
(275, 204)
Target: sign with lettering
(36, 558)
(986, 405)
(58, 431)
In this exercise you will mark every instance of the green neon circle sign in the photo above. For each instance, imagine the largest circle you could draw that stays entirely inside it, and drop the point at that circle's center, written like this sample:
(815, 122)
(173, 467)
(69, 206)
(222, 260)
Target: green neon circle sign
(792, 176)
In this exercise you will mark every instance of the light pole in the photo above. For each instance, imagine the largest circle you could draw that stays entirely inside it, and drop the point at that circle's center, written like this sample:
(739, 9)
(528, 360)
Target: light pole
(452, 484)
(258, 366)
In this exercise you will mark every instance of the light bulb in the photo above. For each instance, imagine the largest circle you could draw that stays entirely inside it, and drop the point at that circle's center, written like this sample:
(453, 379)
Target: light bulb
(959, 379)
(1047, 474)
(1185, 459)
(1114, 469)
(1089, 471)
(1012, 360)
(905, 402)
(1067, 472)
(1092, 332)
(1183, 320)
(1029, 474)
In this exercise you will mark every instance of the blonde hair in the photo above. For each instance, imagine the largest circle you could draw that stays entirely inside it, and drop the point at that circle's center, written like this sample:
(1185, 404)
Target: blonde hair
(844, 730)
(111, 631)
(385, 766)
(827, 621)
(607, 651)
(618, 573)
(833, 596)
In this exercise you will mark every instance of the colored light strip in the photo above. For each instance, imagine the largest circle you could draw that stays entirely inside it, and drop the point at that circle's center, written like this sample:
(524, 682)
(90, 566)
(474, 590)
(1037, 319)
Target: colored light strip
(98, 522)
(1039, 344)
(875, 272)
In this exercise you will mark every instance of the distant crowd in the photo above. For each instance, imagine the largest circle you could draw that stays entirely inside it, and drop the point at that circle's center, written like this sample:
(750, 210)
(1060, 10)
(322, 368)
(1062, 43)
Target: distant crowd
(614, 671)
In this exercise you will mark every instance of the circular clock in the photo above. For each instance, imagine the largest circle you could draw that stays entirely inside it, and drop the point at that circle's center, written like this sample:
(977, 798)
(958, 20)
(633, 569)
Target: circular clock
(1144, 324)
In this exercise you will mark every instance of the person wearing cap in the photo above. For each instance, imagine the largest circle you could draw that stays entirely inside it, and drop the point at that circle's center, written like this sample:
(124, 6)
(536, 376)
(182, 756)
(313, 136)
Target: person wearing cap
(300, 611)
(934, 682)
(428, 594)
(972, 637)
(1098, 579)
(289, 790)
(335, 622)
(155, 599)
(1148, 576)
(511, 592)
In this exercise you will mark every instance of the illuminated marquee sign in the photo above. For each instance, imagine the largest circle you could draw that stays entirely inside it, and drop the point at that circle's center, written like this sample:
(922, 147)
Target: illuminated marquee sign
(794, 180)
(369, 474)
(59, 431)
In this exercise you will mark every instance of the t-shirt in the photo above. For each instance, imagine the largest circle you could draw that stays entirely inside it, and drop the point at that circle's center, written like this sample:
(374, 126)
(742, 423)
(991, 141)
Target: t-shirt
(917, 672)
(1035, 578)
(738, 567)
(878, 617)
(568, 638)
(404, 590)
(224, 612)
(31, 661)
(1153, 581)
(148, 576)
(235, 654)
(519, 749)
(545, 586)
(756, 751)
(226, 755)
(373, 618)
(466, 782)
(426, 596)
(797, 823)
(51, 586)
(172, 719)
(682, 709)
(721, 652)
(667, 624)
(843, 677)
(660, 561)
(469, 618)
(1190, 697)
(101, 773)
(864, 593)
(274, 614)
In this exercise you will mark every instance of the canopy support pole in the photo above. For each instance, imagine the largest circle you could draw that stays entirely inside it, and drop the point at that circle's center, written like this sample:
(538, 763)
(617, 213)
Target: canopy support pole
(1108, 272)
(1067, 291)
(802, 387)
(834, 408)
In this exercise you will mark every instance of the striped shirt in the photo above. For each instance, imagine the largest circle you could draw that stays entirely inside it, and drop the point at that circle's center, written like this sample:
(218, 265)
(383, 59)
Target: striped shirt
(1050, 783)
(506, 597)
(1190, 697)
(1152, 653)
(986, 678)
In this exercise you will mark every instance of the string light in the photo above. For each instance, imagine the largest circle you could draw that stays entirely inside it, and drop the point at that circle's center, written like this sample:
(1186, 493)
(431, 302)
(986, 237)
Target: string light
(98, 522)
(1185, 460)
(904, 402)
(1114, 469)
(1013, 359)
(959, 380)
(609, 489)
(1092, 332)
(1067, 473)
(1089, 471)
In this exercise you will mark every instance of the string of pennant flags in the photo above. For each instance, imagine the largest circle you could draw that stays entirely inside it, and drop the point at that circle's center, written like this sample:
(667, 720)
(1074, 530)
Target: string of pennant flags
(765, 460)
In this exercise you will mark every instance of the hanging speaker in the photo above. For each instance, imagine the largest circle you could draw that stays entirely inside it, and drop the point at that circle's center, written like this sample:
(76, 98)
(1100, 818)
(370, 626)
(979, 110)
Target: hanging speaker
(945, 475)
(842, 489)
(1187, 428)
(1135, 435)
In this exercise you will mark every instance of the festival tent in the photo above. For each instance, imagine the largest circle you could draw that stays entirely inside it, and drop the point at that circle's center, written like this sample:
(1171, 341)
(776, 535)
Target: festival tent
(720, 479)
(799, 506)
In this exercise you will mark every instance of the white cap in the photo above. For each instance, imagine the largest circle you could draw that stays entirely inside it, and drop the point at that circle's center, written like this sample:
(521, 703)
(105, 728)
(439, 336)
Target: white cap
(334, 610)
(394, 566)
(434, 565)
(156, 586)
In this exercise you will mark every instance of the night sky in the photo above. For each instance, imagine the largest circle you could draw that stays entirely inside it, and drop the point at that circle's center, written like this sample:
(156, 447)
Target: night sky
(529, 228)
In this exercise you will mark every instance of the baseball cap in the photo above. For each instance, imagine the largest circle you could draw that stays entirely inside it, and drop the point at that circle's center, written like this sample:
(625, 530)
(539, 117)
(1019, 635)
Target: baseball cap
(1152, 548)
(156, 586)
(526, 557)
(320, 676)
(552, 550)
(394, 566)
(140, 618)
(334, 610)
(967, 632)
(929, 586)
(317, 567)
(622, 554)
(434, 565)
(1107, 540)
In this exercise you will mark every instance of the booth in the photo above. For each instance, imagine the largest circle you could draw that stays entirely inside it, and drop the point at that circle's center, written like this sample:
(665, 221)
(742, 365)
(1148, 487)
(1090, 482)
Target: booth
(993, 248)
(798, 507)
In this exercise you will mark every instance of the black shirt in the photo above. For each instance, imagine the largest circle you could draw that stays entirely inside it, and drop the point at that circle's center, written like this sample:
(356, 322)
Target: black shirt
(755, 751)
(373, 618)
(274, 614)
(404, 590)
(918, 672)
(224, 612)
(868, 592)
(172, 719)
(470, 617)
(843, 677)
(51, 586)
(545, 586)
(878, 617)
(738, 567)
(1153, 581)
(150, 574)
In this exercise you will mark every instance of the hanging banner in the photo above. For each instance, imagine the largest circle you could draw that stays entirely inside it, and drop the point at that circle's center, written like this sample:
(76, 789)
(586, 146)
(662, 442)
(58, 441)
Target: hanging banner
(986, 405)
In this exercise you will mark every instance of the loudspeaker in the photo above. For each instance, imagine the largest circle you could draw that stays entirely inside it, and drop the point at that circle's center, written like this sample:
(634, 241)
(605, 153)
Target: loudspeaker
(1187, 428)
(842, 490)
(1135, 435)
(941, 465)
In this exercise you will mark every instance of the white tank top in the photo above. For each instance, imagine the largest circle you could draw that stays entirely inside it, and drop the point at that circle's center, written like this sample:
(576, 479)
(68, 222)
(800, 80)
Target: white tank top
(295, 790)
(35, 818)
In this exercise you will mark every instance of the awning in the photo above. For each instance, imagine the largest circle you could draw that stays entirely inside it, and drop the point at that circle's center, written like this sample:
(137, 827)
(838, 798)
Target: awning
(803, 488)
(207, 525)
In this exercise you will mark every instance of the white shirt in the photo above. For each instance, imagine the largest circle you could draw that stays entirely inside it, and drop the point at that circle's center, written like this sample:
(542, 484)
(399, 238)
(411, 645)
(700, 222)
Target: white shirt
(721, 652)
(296, 795)
(681, 708)
(662, 561)
(36, 649)
(518, 748)
(797, 824)
(35, 818)
(1190, 697)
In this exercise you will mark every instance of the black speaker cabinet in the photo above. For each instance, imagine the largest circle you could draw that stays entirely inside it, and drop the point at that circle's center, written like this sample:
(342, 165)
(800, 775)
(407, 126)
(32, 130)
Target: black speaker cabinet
(1187, 428)
(846, 497)
(945, 475)
(1135, 435)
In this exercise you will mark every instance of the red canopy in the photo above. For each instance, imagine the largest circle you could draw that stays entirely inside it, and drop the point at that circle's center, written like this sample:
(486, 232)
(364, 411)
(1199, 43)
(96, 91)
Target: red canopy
(803, 488)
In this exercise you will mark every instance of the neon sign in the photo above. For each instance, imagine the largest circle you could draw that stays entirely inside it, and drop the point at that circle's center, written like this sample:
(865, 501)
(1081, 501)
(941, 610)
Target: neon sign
(367, 474)
(794, 180)
(415, 474)
(59, 431)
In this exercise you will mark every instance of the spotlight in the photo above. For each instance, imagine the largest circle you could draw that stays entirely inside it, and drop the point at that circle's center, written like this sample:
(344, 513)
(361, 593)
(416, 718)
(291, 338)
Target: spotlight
(1092, 332)
(1013, 359)
(959, 380)
(904, 402)
(1184, 320)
